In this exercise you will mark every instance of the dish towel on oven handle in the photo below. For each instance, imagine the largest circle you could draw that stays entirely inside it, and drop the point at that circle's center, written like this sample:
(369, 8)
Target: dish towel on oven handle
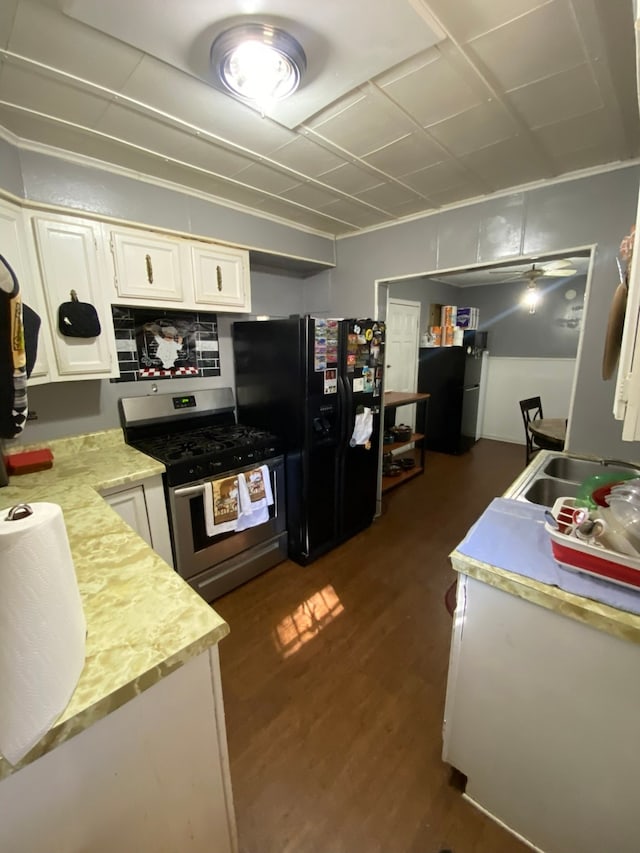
(256, 496)
(221, 507)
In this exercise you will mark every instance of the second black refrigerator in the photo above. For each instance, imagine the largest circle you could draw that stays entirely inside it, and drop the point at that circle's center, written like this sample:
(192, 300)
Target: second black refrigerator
(317, 383)
(452, 376)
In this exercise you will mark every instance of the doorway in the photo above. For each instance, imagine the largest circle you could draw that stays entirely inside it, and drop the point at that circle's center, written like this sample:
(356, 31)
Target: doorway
(538, 349)
(402, 338)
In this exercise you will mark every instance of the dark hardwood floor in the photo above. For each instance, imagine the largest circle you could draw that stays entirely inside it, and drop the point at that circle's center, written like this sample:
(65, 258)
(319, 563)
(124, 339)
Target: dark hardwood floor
(334, 680)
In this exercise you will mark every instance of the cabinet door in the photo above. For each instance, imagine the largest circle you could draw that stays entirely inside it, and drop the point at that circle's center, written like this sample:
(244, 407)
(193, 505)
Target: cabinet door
(221, 277)
(143, 507)
(147, 267)
(132, 508)
(70, 255)
(13, 246)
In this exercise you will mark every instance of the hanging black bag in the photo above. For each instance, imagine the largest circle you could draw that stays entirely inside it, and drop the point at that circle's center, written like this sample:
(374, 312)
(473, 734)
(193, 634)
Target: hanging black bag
(78, 319)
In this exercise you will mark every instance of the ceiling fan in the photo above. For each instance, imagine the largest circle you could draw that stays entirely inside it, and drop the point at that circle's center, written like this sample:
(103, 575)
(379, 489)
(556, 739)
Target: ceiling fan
(560, 268)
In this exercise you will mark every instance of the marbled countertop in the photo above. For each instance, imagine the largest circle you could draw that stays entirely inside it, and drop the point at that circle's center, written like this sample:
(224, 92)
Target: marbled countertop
(619, 623)
(143, 620)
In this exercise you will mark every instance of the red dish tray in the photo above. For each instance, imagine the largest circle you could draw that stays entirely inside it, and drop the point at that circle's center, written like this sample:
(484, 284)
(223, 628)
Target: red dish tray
(590, 558)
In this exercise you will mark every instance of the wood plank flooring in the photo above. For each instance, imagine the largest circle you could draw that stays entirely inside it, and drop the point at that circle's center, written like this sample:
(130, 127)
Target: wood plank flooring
(334, 681)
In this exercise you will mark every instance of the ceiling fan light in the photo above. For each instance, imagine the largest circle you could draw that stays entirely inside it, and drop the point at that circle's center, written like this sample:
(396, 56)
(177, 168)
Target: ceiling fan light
(257, 62)
(531, 298)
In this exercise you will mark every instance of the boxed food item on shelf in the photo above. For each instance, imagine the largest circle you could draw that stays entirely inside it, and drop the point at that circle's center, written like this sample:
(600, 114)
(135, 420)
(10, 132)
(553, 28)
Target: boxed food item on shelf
(447, 336)
(436, 335)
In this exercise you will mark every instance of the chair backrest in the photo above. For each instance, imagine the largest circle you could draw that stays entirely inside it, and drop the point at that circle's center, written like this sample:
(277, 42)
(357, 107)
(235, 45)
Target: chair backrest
(531, 409)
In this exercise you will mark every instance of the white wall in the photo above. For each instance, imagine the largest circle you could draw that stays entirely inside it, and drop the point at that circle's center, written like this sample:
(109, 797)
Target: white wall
(513, 379)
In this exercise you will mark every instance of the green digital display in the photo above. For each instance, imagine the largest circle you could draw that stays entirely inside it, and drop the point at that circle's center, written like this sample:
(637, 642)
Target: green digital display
(184, 402)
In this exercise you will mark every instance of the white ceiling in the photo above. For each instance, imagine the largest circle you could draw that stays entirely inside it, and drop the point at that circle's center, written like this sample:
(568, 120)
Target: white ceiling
(515, 91)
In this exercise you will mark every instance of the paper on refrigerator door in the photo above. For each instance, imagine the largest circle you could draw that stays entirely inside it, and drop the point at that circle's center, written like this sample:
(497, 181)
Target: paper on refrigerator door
(363, 428)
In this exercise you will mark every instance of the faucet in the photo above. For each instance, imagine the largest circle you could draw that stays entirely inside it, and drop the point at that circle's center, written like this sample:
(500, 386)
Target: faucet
(624, 463)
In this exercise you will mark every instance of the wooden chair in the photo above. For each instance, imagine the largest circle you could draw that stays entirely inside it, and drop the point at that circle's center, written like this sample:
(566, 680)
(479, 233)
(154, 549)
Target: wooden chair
(531, 409)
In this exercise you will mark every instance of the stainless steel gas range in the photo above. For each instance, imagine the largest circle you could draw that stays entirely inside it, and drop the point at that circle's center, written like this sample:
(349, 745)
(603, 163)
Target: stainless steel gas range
(197, 438)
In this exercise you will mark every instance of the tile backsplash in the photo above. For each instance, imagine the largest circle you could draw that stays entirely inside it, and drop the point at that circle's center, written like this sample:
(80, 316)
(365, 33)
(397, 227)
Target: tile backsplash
(159, 344)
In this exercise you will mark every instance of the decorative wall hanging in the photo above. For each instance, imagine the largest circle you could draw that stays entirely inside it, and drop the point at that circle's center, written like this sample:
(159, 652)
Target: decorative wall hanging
(156, 344)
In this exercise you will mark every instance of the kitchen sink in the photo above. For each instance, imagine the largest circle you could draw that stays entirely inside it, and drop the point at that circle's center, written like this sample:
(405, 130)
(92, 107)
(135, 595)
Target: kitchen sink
(546, 490)
(577, 470)
(559, 475)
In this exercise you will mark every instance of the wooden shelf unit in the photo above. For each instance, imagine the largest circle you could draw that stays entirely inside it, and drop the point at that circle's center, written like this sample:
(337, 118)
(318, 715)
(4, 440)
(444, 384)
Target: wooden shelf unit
(392, 400)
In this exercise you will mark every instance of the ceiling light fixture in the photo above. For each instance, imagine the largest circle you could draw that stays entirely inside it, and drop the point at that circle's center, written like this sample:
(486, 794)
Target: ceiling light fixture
(258, 62)
(531, 297)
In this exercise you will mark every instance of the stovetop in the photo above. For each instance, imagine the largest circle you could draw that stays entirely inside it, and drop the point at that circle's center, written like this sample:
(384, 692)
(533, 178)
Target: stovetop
(209, 450)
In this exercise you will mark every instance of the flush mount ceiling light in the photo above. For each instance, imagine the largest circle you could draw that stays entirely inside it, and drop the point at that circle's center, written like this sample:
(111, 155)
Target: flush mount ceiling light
(258, 62)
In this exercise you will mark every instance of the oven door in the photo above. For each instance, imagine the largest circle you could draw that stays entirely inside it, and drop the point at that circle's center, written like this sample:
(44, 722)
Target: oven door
(195, 551)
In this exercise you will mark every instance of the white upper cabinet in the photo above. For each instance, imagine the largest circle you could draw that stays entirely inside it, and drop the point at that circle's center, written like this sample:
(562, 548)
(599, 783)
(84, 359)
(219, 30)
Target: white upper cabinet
(221, 277)
(15, 247)
(72, 257)
(148, 267)
(162, 271)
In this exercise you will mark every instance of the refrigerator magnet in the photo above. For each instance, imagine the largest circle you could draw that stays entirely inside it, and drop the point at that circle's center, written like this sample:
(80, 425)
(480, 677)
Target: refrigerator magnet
(358, 384)
(331, 381)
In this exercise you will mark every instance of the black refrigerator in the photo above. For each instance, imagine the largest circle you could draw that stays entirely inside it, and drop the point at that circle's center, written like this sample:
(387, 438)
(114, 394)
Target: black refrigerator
(312, 381)
(452, 375)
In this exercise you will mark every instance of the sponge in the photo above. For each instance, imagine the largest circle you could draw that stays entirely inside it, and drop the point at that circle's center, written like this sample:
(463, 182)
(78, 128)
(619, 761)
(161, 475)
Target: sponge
(29, 461)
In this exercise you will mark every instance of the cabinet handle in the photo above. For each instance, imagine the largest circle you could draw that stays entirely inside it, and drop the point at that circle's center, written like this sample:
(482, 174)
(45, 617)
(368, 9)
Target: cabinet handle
(219, 277)
(147, 259)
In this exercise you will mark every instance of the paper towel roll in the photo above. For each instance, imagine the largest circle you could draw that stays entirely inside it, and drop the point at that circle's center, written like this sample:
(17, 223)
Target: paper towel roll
(42, 627)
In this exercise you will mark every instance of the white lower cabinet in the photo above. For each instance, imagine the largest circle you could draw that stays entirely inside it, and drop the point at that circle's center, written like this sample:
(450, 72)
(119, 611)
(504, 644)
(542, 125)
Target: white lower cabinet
(541, 716)
(153, 775)
(71, 257)
(143, 507)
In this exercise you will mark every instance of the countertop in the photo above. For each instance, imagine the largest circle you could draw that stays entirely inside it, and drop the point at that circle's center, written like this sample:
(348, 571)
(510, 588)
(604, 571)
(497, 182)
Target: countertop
(143, 620)
(619, 623)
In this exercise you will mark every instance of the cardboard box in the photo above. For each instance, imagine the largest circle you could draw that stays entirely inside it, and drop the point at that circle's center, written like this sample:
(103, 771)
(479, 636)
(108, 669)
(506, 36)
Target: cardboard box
(435, 314)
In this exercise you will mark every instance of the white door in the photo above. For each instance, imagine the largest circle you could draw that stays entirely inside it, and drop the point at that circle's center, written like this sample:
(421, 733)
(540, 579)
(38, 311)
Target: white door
(402, 338)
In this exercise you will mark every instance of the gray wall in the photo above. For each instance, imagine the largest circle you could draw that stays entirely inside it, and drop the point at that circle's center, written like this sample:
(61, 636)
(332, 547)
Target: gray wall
(573, 214)
(70, 408)
(55, 181)
(10, 171)
(594, 210)
(514, 332)
(425, 292)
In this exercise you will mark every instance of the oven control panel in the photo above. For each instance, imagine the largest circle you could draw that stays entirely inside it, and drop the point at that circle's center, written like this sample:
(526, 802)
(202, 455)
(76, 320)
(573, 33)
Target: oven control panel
(186, 402)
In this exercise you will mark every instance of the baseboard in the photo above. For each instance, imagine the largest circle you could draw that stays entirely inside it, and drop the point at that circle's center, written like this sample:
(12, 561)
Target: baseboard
(508, 439)
(503, 825)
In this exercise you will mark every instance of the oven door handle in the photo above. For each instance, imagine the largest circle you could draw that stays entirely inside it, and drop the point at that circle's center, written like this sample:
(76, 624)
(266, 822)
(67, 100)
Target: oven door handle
(190, 491)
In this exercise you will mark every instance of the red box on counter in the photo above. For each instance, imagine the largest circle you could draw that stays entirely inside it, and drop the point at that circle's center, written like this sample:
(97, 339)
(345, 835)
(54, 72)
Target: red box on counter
(29, 461)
